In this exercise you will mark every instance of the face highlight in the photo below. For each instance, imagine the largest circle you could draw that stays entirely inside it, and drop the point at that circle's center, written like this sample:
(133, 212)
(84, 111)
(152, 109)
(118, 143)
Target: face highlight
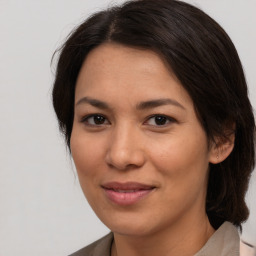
(140, 152)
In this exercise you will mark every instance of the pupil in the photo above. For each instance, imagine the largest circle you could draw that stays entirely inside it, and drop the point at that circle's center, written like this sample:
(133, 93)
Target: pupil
(160, 120)
(99, 119)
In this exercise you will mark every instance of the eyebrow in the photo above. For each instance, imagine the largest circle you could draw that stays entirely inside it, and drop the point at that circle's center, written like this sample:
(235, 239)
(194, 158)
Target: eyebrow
(94, 102)
(157, 103)
(141, 106)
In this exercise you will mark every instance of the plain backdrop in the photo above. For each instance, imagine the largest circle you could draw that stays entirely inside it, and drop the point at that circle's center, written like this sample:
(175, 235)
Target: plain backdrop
(42, 209)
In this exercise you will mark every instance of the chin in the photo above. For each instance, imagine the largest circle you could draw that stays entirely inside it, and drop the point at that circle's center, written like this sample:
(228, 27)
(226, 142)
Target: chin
(131, 224)
(132, 230)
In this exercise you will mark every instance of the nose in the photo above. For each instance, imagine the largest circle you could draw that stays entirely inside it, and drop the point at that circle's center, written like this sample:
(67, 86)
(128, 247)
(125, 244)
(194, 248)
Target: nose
(125, 150)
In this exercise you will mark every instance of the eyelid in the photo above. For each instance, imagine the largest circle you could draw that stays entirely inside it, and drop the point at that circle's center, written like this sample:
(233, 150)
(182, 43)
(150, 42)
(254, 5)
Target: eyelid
(169, 119)
(85, 118)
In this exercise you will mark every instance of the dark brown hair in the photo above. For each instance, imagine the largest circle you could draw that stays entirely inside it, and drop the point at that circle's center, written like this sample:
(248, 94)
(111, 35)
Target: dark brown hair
(205, 61)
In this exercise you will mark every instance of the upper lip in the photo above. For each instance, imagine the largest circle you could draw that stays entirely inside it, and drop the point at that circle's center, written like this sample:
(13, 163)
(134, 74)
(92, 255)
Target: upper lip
(127, 186)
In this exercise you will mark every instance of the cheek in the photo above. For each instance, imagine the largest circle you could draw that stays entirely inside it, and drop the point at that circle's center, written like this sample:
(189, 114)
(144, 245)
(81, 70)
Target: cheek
(85, 153)
(183, 170)
(87, 157)
(182, 160)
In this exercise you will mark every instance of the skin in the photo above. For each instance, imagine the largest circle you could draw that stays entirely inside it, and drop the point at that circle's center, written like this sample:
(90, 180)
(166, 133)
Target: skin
(127, 144)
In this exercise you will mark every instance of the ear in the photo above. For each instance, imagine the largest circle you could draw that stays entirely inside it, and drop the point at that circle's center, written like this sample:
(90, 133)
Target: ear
(222, 147)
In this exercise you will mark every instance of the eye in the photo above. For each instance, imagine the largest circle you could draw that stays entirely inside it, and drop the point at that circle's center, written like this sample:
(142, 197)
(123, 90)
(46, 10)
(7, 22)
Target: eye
(95, 119)
(159, 120)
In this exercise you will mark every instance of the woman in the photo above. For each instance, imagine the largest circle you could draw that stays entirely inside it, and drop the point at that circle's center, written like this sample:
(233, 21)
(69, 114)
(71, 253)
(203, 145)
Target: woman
(152, 100)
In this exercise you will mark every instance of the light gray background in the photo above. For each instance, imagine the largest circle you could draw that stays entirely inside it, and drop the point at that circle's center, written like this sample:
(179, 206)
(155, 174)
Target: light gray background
(42, 210)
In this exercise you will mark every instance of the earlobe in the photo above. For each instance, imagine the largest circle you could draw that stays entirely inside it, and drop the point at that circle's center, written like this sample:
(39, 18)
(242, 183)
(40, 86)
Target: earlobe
(221, 149)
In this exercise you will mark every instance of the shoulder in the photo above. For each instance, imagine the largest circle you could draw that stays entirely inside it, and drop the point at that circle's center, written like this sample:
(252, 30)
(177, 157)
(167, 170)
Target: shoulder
(224, 242)
(98, 248)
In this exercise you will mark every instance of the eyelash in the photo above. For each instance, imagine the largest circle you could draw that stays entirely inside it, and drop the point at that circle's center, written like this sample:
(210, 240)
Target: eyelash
(86, 118)
(164, 118)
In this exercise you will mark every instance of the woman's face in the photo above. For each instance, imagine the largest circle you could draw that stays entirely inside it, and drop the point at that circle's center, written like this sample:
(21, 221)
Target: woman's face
(140, 152)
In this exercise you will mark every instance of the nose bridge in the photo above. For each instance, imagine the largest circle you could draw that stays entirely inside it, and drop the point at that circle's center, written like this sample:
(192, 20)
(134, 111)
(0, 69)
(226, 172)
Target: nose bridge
(125, 146)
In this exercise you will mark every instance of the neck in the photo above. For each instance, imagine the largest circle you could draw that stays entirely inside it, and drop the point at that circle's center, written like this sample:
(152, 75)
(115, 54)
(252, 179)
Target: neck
(181, 239)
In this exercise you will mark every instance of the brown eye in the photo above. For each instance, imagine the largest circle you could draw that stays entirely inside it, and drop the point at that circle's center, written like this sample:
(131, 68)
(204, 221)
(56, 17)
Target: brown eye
(95, 120)
(160, 120)
(99, 119)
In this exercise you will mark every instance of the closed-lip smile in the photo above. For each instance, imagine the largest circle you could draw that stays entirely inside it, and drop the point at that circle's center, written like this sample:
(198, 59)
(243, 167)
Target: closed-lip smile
(127, 193)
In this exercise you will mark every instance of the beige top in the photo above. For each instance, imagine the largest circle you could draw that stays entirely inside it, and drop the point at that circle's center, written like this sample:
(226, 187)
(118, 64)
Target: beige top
(247, 249)
(224, 242)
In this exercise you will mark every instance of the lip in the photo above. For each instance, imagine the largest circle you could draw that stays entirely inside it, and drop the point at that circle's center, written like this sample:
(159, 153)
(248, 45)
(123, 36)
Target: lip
(127, 193)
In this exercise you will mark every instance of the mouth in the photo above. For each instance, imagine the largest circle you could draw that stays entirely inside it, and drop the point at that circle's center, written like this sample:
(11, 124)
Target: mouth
(126, 193)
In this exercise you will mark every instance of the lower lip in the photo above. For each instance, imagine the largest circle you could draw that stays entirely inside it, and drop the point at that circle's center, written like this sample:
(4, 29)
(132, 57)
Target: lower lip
(128, 198)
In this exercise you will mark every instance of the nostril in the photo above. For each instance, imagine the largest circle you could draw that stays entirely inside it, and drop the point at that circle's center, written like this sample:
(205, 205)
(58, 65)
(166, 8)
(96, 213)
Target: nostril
(123, 160)
(122, 166)
(125, 150)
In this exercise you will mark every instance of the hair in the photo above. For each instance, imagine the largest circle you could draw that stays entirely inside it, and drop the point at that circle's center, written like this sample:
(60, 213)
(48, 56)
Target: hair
(203, 58)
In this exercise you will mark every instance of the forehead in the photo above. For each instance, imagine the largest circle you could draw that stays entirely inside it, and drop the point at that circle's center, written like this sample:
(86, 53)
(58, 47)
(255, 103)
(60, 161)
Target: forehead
(113, 54)
(118, 69)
